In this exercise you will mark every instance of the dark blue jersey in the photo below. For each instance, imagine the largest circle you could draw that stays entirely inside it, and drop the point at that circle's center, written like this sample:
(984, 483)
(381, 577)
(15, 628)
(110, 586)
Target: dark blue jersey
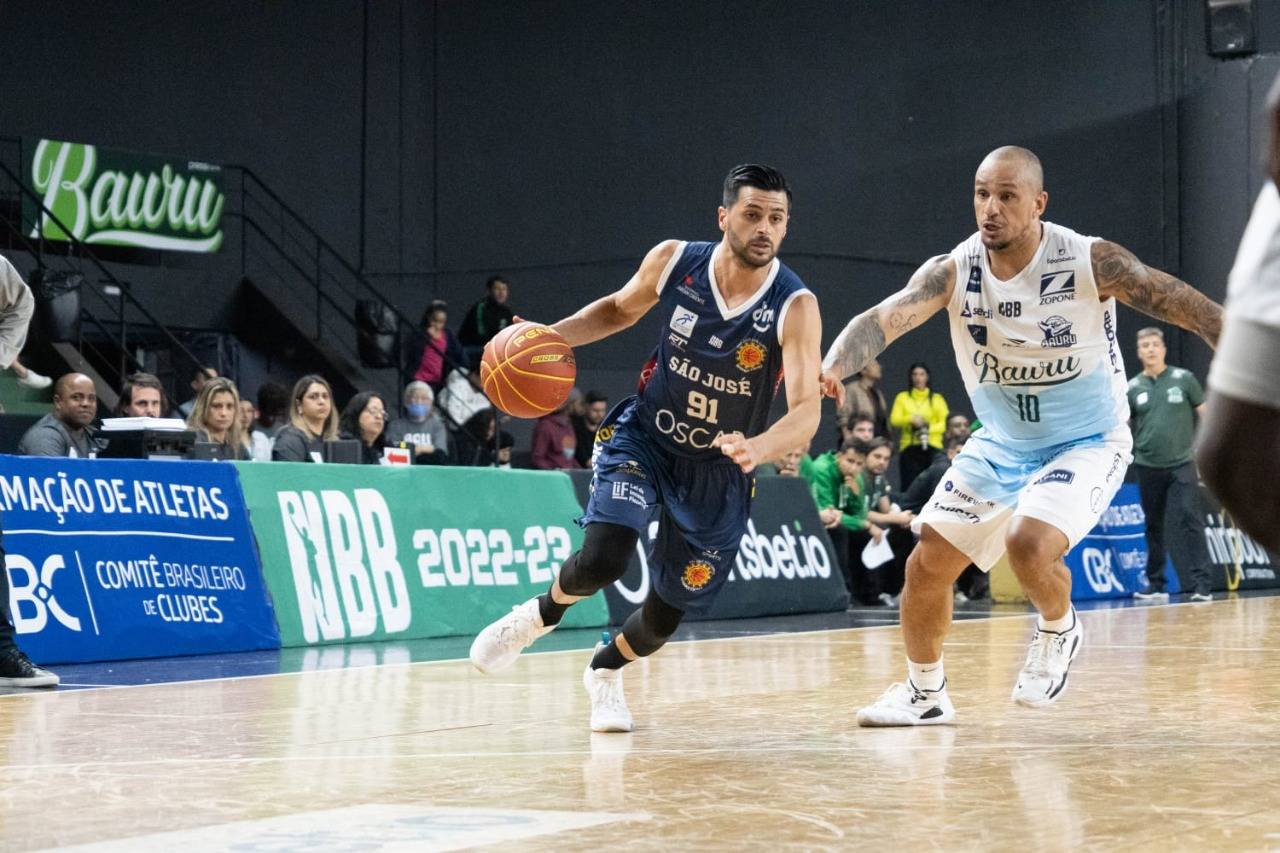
(716, 369)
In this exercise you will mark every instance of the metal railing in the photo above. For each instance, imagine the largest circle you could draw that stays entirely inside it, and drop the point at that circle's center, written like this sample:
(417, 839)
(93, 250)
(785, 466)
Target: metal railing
(107, 305)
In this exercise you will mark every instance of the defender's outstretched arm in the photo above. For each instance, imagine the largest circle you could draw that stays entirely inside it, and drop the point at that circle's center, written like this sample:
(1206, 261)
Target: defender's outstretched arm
(1119, 273)
(622, 308)
(867, 334)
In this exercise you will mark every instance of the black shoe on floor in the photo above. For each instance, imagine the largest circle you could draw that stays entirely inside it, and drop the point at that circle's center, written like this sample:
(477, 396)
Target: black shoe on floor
(17, 670)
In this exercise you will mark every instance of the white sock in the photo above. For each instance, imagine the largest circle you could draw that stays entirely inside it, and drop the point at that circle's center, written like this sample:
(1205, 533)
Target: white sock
(1058, 625)
(926, 676)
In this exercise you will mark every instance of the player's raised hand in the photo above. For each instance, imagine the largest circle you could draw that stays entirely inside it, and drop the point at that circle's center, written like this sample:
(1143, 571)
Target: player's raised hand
(740, 449)
(832, 386)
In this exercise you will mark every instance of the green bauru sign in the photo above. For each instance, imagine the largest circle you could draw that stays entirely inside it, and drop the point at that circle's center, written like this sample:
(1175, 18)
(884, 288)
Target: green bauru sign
(106, 196)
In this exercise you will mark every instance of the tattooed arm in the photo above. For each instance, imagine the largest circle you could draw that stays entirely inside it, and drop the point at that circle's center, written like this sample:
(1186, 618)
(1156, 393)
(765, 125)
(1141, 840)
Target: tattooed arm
(870, 332)
(1120, 274)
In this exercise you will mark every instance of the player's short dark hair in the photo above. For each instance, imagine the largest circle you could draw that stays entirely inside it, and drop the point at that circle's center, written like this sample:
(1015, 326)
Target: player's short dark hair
(596, 397)
(857, 445)
(754, 175)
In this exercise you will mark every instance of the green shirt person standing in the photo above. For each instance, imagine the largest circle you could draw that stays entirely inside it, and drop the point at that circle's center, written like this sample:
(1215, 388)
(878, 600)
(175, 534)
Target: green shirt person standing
(1164, 401)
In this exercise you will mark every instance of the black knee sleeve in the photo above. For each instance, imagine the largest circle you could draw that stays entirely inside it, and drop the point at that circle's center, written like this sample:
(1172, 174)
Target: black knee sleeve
(606, 549)
(649, 628)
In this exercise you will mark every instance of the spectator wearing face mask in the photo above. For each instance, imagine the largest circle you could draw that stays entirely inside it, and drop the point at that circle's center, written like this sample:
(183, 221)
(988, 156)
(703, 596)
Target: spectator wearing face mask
(421, 427)
(555, 444)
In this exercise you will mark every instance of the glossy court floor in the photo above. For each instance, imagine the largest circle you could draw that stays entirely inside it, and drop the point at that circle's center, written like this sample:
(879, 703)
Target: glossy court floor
(1167, 739)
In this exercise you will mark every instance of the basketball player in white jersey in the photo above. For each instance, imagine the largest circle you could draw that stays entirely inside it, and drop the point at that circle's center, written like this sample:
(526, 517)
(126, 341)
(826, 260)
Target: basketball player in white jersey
(1033, 320)
(1239, 452)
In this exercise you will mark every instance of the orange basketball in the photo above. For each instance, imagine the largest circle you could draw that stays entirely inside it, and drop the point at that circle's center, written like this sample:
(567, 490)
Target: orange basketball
(527, 370)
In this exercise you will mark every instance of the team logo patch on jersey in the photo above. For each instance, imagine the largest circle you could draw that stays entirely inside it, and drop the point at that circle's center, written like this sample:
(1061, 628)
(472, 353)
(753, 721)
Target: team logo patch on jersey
(1057, 287)
(1057, 332)
(750, 355)
(1174, 395)
(1057, 475)
(979, 334)
(715, 342)
(697, 574)
(683, 320)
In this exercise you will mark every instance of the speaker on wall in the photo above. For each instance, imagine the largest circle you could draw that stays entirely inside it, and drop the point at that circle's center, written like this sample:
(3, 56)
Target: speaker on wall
(1230, 27)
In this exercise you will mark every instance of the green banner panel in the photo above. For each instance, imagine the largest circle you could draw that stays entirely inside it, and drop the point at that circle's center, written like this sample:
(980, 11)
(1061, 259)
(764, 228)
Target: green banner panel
(106, 196)
(353, 552)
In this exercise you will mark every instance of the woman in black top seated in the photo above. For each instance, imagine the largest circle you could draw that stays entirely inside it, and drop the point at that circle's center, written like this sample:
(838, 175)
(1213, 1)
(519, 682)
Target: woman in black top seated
(365, 419)
(312, 422)
(216, 418)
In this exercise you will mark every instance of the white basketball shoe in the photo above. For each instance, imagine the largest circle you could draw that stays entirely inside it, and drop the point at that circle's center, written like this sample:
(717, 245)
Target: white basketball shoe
(498, 645)
(907, 705)
(1044, 675)
(609, 712)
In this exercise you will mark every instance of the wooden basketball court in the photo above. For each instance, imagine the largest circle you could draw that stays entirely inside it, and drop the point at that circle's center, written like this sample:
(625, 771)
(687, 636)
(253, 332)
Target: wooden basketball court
(1168, 738)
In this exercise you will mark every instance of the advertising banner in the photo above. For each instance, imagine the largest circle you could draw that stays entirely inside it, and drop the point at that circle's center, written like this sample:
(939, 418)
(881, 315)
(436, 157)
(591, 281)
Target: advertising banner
(125, 559)
(106, 196)
(785, 562)
(376, 553)
(1111, 560)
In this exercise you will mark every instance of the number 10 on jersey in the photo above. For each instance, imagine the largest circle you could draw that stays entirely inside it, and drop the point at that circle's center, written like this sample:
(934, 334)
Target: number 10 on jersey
(1029, 408)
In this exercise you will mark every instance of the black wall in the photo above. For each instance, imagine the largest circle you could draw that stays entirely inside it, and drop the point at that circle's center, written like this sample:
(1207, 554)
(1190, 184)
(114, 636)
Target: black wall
(435, 143)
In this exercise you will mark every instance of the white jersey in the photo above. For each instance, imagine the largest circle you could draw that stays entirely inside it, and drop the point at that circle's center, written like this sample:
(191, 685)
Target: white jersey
(1038, 352)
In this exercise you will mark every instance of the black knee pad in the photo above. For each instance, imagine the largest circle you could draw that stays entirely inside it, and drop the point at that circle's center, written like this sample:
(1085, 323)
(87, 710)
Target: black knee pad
(649, 628)
(606, 549)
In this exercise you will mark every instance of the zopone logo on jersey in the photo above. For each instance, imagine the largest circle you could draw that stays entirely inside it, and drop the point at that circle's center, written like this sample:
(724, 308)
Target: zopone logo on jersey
(33, 599)
(1057, 287)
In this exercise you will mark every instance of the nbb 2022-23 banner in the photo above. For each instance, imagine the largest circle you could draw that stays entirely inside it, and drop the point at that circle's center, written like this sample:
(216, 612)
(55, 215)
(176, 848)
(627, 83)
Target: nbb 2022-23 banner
(115, 559)
(353, 553)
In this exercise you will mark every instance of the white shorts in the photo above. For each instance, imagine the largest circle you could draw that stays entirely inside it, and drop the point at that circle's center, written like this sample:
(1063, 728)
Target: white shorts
(1247, 364)
(1068, 486)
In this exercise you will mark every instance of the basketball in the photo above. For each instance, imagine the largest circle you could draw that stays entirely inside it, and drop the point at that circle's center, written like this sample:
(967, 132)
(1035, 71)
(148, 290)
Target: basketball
(527, 370)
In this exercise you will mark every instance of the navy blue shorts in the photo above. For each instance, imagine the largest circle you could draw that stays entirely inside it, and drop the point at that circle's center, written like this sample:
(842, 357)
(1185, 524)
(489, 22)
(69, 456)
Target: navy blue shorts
(702, 508)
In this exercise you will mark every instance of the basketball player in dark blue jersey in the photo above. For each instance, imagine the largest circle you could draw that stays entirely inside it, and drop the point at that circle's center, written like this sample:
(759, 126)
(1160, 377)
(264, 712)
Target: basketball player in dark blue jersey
(735, 321)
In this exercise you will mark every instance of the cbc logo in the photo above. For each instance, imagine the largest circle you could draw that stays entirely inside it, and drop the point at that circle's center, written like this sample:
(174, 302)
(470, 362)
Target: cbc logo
(33, 601)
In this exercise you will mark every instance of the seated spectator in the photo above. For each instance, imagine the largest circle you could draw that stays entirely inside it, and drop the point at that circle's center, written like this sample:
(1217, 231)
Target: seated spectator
(365, 419)
(257, 440)
(842, 506)
(142, 397)
(273, 408)
(421, 427)
(440, 351)
(65, 431)
(216, 418)
(595, 407)
(859, 427)
(796, 463)
(475, 440)
(957, 424)
(555, 446)
(882, 584)
(312, 422)
(506, 443)
(921, 490)
(198, 378)
(462, 397)
(485, 319)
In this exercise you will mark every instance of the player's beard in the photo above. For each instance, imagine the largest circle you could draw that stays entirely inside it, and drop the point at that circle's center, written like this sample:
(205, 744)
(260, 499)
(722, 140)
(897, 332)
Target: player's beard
(740, 250)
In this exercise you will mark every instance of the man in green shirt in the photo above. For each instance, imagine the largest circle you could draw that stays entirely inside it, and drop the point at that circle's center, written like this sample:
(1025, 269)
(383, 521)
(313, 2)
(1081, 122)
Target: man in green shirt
(1164, 402)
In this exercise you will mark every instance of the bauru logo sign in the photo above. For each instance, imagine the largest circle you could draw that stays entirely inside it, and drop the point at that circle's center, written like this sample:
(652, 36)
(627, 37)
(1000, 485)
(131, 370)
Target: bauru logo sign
(110, 197)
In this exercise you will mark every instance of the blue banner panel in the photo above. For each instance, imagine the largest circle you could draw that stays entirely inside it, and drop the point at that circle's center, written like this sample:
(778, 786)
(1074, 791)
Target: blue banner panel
(124, 559)
(1111, 560)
